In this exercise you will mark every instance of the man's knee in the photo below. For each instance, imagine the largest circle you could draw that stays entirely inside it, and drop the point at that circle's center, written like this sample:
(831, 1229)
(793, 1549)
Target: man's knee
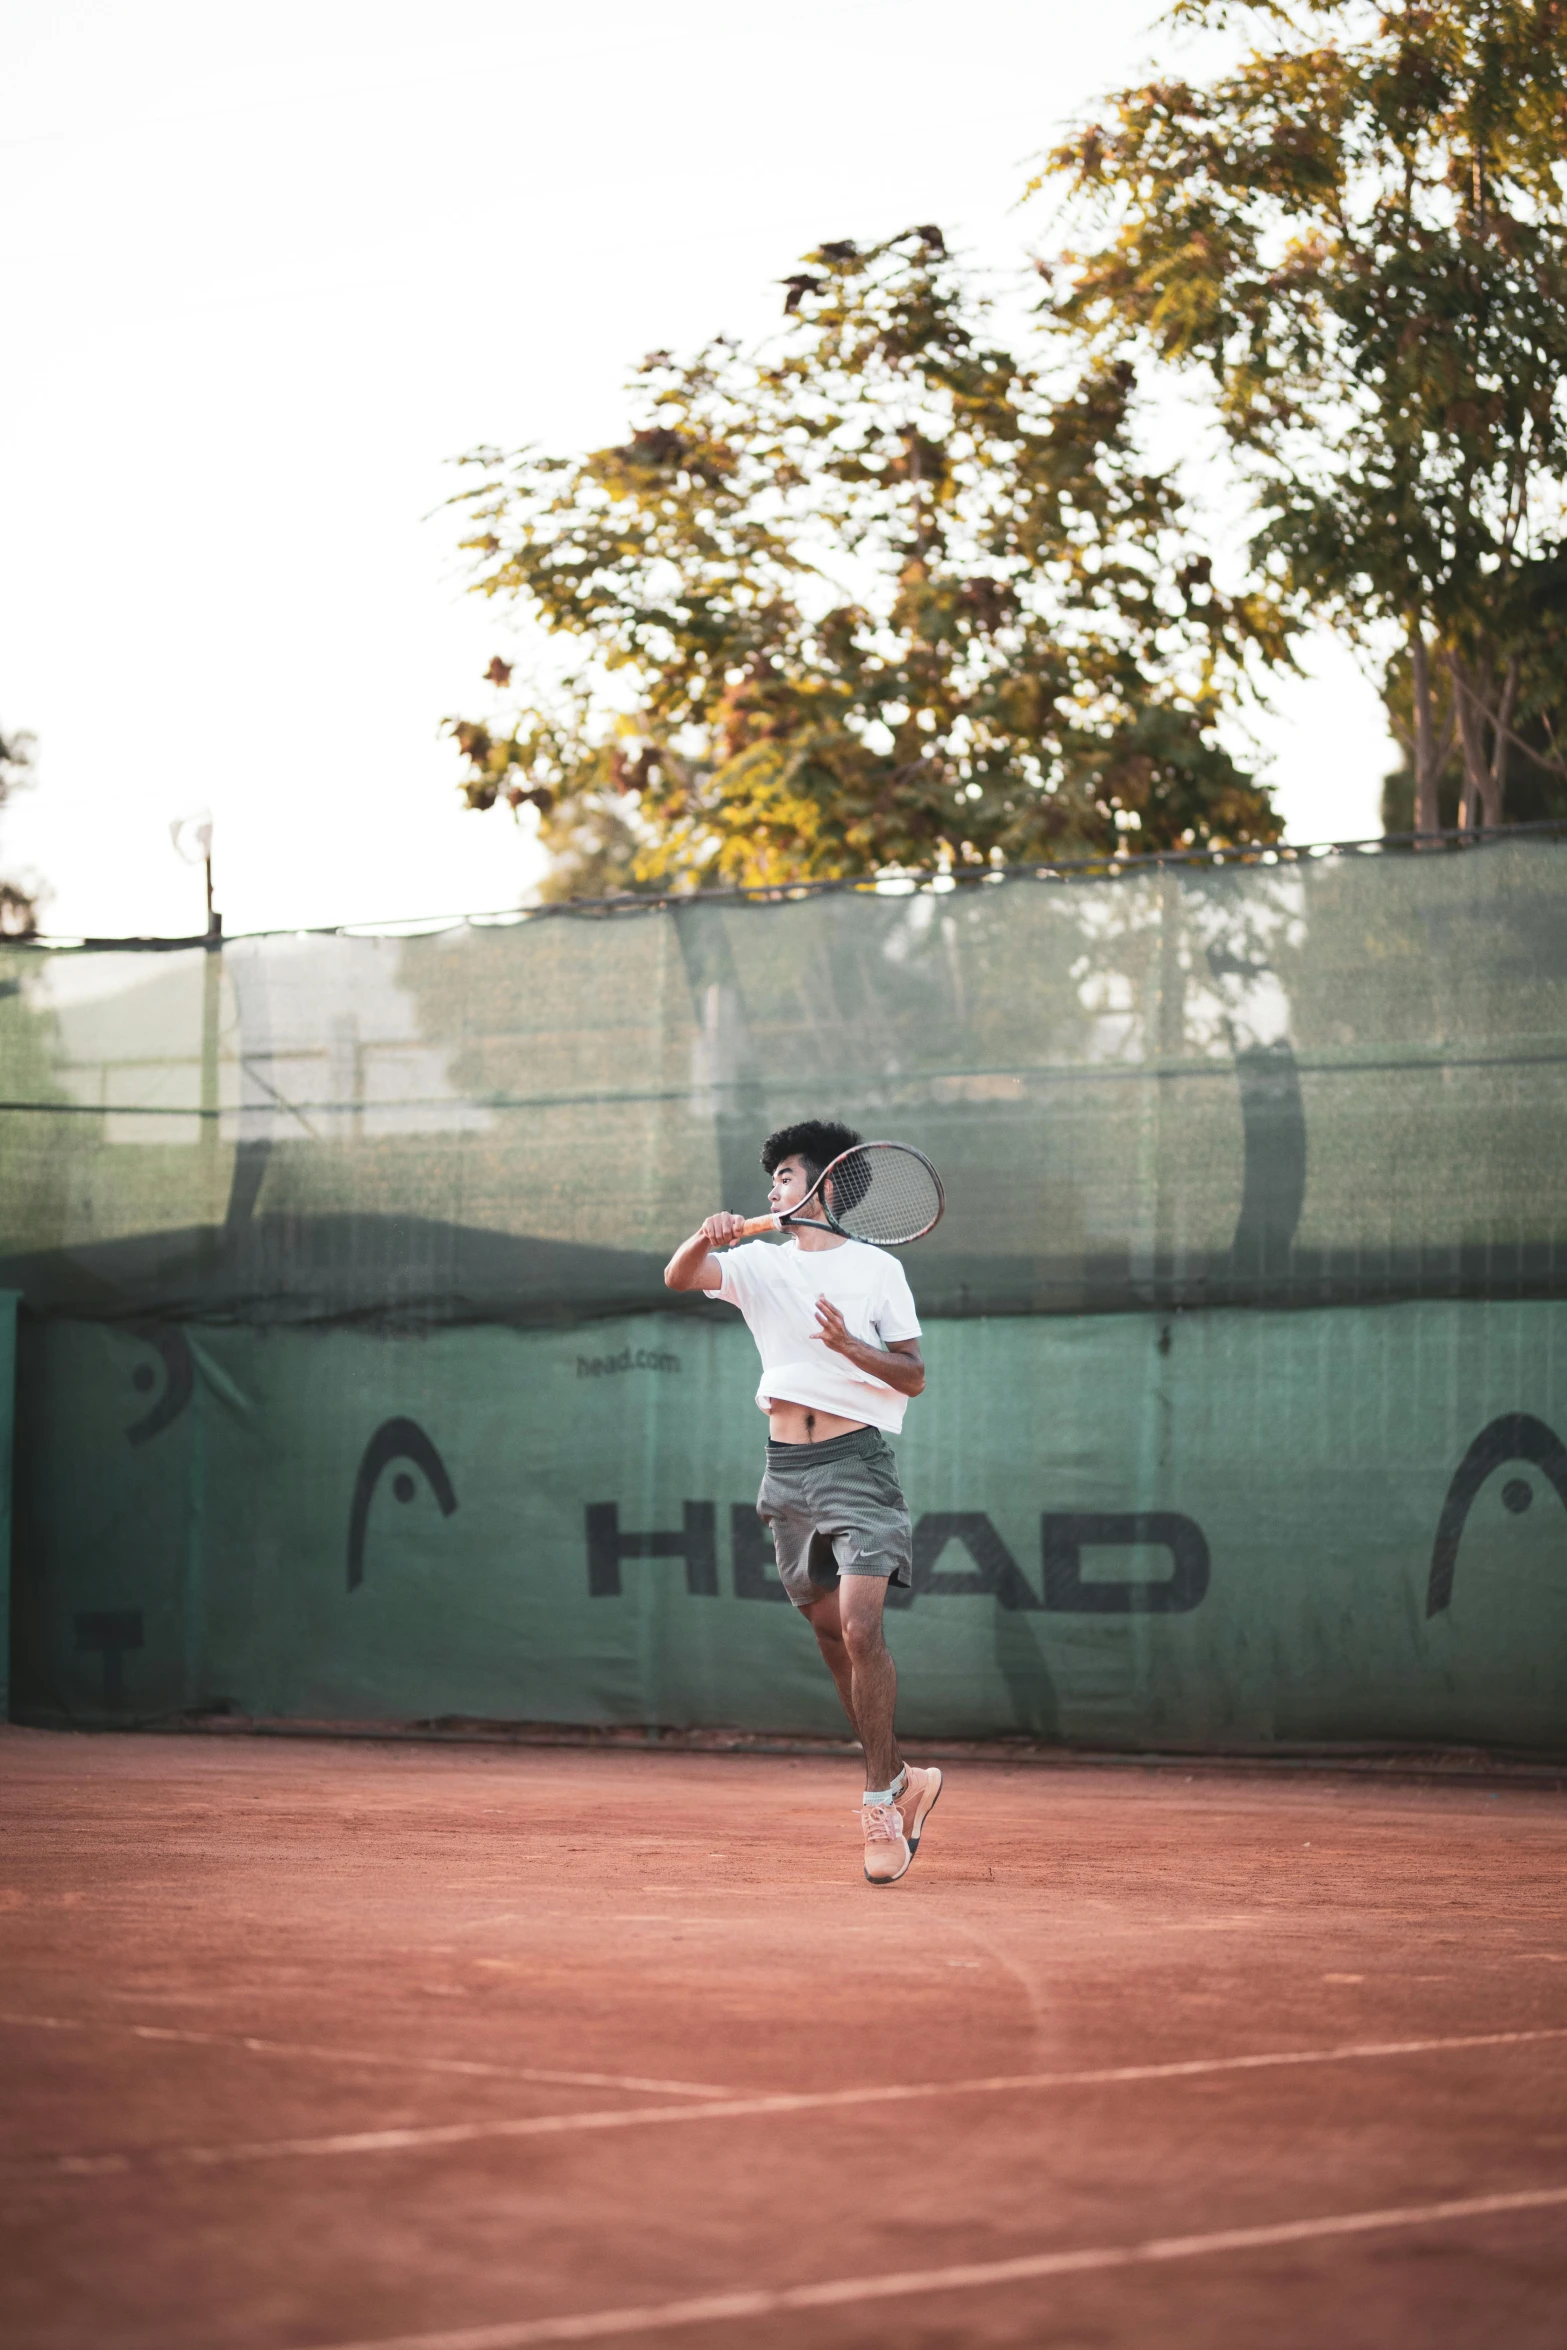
(823, 1617)
(862, 1632)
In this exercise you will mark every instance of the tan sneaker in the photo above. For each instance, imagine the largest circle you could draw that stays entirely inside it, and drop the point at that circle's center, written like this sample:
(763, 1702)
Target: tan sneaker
(887, 1850)
(917, 1802)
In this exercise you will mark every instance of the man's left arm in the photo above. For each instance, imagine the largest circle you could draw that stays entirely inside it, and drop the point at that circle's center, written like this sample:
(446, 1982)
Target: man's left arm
(899, 1364)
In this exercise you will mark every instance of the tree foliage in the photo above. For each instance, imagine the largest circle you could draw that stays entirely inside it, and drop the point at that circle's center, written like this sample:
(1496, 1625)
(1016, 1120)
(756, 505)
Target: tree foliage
(1357, 235)
(881, 595)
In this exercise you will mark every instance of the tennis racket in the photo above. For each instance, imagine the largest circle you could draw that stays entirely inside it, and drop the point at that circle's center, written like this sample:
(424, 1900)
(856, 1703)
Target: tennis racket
(885, 1192)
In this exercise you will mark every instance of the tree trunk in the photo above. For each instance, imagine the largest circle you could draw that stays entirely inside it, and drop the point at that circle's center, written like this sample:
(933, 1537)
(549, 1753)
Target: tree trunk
(1485, 777)
(1496, 781)
(1427, 818)
(1473, 807)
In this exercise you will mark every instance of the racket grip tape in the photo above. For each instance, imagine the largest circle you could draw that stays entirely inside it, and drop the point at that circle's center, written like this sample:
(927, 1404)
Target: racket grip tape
(755, 1224)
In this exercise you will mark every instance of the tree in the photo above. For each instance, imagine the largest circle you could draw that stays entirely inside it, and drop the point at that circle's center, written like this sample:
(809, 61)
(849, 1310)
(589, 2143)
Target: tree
(1357, 237)
(18, 906)
(1535, 790)
(882, 596)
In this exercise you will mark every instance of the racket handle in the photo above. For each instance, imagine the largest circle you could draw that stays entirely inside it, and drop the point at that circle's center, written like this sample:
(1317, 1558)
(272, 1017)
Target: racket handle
(755, 1224)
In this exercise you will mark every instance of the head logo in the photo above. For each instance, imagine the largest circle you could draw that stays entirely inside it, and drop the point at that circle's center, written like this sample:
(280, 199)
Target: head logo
(394, 1440)
(179, 1380)
(1516, 1436)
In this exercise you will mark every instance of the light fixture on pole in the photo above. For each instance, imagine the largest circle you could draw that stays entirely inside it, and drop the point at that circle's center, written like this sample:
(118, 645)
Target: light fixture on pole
(192, 838)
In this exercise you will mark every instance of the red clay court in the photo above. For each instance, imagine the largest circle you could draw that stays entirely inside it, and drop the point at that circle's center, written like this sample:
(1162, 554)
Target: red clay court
(311, 2045)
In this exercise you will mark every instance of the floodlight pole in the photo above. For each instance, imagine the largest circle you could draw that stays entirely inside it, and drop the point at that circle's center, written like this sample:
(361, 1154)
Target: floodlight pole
(199, 827)
(211, 989)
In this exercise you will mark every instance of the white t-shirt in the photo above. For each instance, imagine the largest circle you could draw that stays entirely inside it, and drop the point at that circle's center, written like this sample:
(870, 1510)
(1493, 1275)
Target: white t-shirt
(776, 1288)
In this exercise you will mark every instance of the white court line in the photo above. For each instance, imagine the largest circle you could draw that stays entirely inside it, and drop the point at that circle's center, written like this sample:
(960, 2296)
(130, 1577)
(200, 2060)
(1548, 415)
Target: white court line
(843, 2291)
(554, 2125)
(427, 2064)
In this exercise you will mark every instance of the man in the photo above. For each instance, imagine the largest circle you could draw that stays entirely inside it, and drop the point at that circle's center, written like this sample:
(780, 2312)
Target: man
(835, 1325)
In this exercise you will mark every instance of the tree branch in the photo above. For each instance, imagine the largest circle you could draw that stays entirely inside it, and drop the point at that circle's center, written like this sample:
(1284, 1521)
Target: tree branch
(1551, 766)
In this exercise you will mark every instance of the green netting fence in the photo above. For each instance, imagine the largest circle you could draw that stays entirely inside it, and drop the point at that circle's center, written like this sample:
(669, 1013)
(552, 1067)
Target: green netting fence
(349, 1389)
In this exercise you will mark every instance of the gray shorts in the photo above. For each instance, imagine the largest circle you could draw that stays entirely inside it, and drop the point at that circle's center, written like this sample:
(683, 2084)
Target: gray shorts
(835, 1508)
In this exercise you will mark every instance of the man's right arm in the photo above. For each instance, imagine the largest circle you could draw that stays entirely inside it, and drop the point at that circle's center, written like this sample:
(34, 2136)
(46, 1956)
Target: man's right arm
(693, 1265)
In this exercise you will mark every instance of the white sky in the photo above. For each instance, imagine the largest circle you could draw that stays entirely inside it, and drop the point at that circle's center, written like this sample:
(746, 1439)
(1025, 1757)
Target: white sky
(266, 270)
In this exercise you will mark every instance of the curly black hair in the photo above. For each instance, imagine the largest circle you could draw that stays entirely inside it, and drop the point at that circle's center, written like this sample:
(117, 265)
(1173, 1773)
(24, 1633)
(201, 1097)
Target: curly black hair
(818, 1141)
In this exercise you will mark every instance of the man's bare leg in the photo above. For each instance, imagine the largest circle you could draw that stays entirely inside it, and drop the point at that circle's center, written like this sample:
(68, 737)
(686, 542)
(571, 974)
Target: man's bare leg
(847, 1622)
(823, 1618)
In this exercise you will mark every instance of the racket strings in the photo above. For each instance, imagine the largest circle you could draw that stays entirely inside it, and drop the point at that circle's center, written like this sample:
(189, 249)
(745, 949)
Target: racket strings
(885, 1194)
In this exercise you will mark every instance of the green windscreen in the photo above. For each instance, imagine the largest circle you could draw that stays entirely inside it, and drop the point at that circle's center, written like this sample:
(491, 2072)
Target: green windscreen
(1340, 1080)
(1263, 1166)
